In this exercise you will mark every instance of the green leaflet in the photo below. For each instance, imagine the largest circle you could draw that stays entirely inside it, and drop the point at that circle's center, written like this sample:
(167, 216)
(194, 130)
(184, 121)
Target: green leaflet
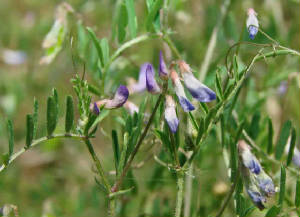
(154, 9)
(116, 148)
(132, 21)
(29, 130)
(10, 129)
(282, 185)
(69, 114)
(51, 115)
(292, 147)
(284, 135)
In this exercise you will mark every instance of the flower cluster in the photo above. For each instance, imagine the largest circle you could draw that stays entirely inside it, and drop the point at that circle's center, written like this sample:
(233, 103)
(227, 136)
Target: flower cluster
(198, 90)
(252, 23)
(258, 184)
(147, 81)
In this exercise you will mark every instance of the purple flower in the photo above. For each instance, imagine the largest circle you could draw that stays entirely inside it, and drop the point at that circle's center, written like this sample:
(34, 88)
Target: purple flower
(252, 23)
(140, 86)
(151, 84)
(170, 114)
(131, 107)
(96, 110)
(282, 88)
(265, 184)
(119, 99)
(296, 157)
(198, 90)
(163, 70)
(257, 198)
(248, 159)
(184, 102)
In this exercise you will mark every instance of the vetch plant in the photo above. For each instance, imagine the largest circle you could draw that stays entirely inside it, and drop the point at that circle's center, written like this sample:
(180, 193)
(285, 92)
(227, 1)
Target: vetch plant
(220, 113)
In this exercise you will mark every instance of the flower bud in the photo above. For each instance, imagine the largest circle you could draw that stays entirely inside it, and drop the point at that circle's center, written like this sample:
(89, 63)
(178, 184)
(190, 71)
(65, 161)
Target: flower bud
(248, 159)
(198, 90)
(184, 102)
(151, 84)
(163, 70)
(170, 114)
(252, 23)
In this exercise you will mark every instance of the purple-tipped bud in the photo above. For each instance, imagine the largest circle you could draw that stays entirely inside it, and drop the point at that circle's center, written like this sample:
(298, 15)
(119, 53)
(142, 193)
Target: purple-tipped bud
(131, 107)
(198, 90)
(296, 157)
(140, 85)
(163, 70)
(248, 159)
(119, 99)
(184, 102)
(151, 84)
(282, 88)
(252, 23)
(96, 110)
(257, 198)
(170, 114)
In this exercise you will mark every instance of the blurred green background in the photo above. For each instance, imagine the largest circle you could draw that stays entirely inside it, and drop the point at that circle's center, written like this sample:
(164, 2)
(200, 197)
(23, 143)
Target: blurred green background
(56, 178)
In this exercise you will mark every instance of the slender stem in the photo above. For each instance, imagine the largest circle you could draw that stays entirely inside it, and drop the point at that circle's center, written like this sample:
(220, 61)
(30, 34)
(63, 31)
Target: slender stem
(38, 141)
(188, 191)
(229, 195)
(101, 173)
(172, 46)
(174, 150)
(139, 143)
(213, 41)
(180, 182)
(97, 163)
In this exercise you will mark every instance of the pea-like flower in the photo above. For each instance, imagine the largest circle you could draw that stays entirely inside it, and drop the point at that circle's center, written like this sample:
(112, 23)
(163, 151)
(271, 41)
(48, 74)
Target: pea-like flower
(131, 107)
(265, 184)
(163, 70)
(198, 90)
(257, 198)
(258, 184)
(140, 85)
(170, 114)
(248, 159)
(252, 23)
(151, 83)
(119, 99)
(179, 90)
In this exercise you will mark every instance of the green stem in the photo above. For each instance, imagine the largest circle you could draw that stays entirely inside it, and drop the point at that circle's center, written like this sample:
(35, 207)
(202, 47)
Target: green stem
(180, 183)
(38, 141)
(172, 46)
(97, 163)
(139, 143)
